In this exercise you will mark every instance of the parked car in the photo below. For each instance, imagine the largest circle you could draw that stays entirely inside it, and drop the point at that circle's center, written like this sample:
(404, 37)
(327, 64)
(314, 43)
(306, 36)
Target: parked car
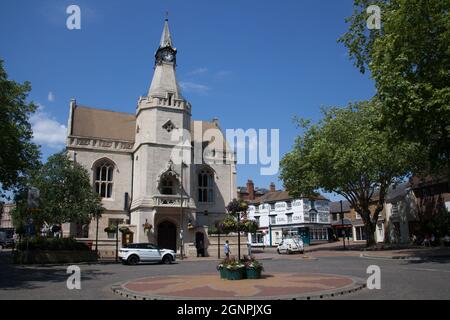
(145, 252)
(5, 241)
(290, 246)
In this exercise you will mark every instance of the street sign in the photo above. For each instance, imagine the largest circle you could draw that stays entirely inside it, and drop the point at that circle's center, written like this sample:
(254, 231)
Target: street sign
(33, 198)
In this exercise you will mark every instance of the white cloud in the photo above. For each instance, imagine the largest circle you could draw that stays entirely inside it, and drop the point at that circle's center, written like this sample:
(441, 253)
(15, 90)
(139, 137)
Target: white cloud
(51, 97)
(47, 131)
(188, 86)
(198, 71)
(222, 74)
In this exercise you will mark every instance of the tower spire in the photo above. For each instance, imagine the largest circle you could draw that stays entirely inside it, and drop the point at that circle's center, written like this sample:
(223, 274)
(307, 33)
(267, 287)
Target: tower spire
(166, 39)
(164, 79)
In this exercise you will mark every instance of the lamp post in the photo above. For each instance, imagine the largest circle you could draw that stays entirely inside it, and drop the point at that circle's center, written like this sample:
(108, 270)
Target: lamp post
(117, 240)
(181, 211)
(343, 229)
(96, 236)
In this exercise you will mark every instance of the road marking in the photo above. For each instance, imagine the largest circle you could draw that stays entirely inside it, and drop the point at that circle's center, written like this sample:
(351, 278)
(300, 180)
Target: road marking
(426, 269)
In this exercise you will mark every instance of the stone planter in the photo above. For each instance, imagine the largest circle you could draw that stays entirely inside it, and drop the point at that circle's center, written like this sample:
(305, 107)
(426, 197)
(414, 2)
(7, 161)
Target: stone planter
(236, 274)
(252, 273)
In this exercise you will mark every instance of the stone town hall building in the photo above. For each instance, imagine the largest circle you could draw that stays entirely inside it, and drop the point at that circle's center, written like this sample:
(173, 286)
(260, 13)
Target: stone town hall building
(130, 161)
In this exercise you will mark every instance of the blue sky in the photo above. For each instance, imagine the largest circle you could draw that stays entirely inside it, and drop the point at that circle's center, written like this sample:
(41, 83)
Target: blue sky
(251, 63)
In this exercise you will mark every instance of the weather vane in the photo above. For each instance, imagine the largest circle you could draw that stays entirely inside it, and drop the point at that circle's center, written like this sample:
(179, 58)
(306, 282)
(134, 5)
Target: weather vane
(167, 15)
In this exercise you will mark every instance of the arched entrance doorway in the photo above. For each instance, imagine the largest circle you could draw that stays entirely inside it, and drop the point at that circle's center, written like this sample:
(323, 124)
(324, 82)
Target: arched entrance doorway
(200, 244)
(167, 235)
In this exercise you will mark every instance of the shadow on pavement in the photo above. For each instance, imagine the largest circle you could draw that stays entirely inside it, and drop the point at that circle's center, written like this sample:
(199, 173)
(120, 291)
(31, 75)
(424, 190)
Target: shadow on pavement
(36, 276)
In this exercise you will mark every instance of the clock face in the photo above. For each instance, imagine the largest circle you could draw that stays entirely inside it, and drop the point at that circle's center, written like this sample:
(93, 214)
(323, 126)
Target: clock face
(167, 56)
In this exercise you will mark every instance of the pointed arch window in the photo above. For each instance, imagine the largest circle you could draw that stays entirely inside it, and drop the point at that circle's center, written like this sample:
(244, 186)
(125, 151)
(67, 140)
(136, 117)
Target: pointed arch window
(205, 186)
(103, 179)
(168, 185)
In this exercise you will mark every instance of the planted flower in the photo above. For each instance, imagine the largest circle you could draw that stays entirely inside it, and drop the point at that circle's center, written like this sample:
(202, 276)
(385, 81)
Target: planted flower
(111, 229)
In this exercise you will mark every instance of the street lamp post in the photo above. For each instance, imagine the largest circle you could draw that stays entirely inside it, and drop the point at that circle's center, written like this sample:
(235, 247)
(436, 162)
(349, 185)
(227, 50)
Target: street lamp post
(117, 240)
(343, 229)
(181, 212)
(96, 237)
(239, 235)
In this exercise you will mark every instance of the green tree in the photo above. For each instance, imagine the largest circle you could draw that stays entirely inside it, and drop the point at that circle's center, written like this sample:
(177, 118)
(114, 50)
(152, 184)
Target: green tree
(18, 154)
(66, 194)
(409, 59)
(347, 154)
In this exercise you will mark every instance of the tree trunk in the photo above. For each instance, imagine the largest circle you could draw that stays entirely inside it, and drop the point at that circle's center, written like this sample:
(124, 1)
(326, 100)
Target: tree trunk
(370, 234)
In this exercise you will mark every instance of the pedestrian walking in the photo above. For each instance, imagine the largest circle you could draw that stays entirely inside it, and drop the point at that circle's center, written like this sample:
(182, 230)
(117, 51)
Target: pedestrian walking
(226, 249)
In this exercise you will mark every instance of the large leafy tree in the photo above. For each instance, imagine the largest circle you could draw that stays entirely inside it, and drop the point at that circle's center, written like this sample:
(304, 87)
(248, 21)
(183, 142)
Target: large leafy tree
(409, 59)
(66, 194)
(18, 154)
(347, 154)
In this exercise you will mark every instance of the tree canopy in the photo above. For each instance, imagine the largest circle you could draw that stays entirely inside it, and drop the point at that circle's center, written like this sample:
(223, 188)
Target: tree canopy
(409, 59)
(348, 154)
(66, 194)
(18, 154)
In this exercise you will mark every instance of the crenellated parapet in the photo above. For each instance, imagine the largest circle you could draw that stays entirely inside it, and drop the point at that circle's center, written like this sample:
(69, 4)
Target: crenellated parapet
(74, 142)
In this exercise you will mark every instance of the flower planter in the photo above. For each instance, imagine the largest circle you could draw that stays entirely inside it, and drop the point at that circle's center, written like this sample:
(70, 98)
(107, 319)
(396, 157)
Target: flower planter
(252, 273)
(223, 273)
(236, 274)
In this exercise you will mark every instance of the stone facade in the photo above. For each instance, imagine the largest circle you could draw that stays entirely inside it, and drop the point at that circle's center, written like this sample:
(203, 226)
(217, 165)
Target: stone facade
(146, 166)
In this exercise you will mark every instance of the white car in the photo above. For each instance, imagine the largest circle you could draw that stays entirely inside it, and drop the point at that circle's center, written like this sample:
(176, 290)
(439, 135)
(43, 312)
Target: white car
(290, 246)
(145, 252)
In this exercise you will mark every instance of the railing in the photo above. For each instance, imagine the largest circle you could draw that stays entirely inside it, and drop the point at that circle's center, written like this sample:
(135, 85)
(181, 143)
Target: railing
(171, 201)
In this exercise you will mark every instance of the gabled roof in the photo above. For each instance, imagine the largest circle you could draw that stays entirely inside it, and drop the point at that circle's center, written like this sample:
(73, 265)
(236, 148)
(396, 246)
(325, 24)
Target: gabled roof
(111, 125)
(335, 206)
(103, 124)
(275, 196)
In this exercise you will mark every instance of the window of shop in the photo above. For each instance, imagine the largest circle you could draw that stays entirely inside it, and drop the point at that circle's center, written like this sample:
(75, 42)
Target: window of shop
(289, 218)
(273, 220)
(258, 238)
(360, 233)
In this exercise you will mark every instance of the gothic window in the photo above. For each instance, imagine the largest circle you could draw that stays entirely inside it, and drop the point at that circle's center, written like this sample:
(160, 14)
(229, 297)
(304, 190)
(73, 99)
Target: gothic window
(167, 186)
(169, 126)
(103, 179)
(82, 230)
(205, 186)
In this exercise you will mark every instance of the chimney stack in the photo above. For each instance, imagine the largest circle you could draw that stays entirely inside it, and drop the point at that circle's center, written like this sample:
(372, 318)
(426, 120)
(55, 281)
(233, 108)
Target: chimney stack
(272, 187)
(251, 190)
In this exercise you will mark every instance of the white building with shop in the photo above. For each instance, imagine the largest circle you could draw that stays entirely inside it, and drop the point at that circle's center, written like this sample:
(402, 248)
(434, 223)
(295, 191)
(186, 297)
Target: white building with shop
(279, 216)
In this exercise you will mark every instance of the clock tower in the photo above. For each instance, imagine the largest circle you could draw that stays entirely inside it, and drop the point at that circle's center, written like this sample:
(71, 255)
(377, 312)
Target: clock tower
(160, 178)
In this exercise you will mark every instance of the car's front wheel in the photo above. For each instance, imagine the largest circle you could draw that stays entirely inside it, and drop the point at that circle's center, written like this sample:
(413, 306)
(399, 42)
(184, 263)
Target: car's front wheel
(133, 260)
(167, 259)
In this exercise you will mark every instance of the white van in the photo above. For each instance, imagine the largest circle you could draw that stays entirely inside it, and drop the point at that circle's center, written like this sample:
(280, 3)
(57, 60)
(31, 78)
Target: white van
(290, 246)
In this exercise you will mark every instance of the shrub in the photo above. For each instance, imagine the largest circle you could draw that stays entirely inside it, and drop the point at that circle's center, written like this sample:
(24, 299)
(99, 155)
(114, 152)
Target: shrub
(52, 244)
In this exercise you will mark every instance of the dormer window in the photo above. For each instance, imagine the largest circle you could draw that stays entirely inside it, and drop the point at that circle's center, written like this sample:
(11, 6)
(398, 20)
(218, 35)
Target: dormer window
(170, 96)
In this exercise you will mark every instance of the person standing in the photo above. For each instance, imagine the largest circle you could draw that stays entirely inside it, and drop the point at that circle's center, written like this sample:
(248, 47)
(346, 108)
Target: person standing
(226, 249)
(249, 247)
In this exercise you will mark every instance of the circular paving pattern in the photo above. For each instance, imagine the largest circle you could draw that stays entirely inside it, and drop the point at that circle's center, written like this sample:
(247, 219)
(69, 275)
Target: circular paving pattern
(210, 286)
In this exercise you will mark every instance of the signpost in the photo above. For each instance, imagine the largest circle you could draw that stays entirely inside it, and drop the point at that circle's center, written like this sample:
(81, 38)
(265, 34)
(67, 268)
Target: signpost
(343, 228)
